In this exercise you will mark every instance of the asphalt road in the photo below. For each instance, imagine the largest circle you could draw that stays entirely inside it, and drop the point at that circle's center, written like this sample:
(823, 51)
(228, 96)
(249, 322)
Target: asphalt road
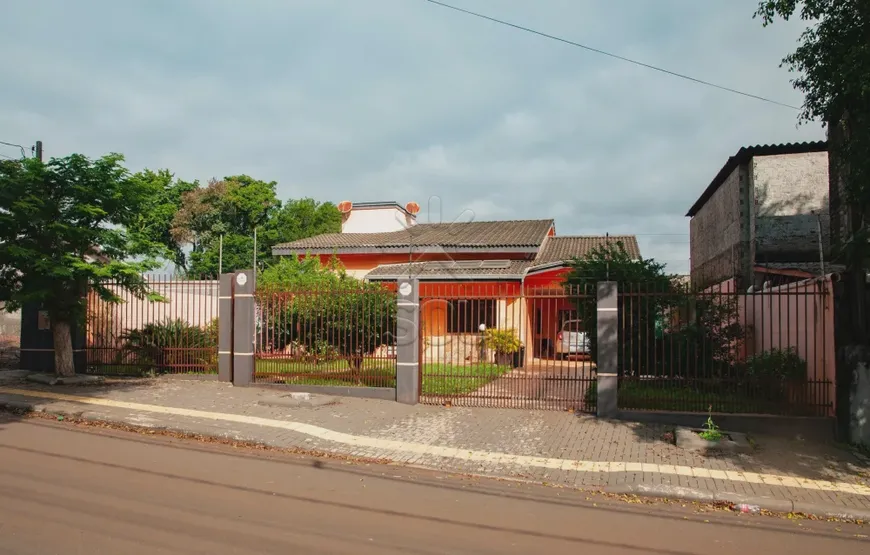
(65, 489)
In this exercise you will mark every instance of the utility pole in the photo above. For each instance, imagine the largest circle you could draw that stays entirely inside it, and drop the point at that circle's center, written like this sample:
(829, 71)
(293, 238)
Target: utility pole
(39, 150)
(255, 253)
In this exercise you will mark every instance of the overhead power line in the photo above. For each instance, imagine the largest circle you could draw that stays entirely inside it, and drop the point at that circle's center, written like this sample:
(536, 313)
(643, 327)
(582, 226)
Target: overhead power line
(23, 152)
(612, 55)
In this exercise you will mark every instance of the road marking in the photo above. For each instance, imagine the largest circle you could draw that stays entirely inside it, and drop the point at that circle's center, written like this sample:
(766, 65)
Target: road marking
(393, 446)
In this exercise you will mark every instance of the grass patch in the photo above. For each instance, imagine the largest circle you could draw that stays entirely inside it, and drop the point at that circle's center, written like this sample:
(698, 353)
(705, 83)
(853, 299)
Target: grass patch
(454, 379)
(439, 379)
(373, 372)
(667, 396)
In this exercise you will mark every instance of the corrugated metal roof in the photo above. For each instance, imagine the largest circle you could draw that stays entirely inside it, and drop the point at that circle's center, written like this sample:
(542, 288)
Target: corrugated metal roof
(744, 155)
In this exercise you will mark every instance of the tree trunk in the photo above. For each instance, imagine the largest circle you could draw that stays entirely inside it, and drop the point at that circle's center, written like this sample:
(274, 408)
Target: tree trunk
(63, 351)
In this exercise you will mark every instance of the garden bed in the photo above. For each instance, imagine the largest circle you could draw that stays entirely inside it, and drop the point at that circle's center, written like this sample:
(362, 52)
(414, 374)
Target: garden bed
(438, 378)
(667, 396)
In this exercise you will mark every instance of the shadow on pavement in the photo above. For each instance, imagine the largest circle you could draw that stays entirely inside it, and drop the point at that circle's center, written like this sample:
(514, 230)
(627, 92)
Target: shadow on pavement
(770, 454)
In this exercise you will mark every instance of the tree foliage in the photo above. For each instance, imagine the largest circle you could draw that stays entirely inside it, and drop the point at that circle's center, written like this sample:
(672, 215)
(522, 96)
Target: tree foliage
(298, 219)
(309, 306)
(662, 327)
(612, 262)
(67, 225)
(163, 201)
(231, 209)
(832, 63)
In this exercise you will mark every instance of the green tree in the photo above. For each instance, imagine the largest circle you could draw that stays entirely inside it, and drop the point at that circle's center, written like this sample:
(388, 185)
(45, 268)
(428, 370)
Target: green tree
(66, 226)
(230, 208)
(832, 63)
(637, 317)
(316, 306)
(663, 327)
(163, 202)
(298, 219)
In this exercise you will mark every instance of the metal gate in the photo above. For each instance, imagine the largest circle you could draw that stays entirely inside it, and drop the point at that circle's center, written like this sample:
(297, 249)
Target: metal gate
(498, 345)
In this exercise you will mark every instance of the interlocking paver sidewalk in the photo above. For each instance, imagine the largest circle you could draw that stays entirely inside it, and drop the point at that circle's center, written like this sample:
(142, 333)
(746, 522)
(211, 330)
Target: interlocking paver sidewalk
(498, 442)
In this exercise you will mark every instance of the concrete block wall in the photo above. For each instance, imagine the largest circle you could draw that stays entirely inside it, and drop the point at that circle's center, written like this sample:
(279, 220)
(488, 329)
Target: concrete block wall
(717, 233)
(767, 210)
(790, 192)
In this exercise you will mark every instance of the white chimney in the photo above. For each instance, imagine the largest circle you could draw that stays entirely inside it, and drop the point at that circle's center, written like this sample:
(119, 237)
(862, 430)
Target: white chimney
(376, 217)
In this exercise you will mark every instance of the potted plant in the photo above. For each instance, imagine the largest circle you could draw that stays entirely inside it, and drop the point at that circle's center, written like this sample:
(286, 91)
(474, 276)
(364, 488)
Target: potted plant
(504, 343)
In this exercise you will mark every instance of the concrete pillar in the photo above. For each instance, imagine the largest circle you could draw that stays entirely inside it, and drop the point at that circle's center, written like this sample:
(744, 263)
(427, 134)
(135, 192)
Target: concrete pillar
(244, 327)
(225, 327)
(408, 341)
(608, 348)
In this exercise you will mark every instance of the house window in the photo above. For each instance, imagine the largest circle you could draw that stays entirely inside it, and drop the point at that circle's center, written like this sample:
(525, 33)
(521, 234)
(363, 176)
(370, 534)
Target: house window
(465, 316)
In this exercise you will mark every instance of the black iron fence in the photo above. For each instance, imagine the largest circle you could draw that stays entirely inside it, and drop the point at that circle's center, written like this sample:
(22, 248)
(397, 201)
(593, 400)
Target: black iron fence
(501, 345)
(719, 349)
(341, 336)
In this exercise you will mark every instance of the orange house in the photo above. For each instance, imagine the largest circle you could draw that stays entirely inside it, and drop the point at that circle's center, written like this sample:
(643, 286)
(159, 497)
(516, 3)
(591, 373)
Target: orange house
(503, 274)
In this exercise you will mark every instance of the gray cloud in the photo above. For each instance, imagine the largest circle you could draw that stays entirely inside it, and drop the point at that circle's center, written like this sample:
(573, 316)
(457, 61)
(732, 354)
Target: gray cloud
(398, 99)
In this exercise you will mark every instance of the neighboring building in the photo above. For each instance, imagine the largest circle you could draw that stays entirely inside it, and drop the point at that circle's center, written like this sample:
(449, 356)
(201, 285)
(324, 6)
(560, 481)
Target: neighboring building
(483, 271)
(765, 212)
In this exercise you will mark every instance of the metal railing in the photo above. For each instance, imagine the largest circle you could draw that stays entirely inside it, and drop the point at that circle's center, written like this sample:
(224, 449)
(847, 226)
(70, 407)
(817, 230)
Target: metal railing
(719, 349)
(176, 333)
(342, 336)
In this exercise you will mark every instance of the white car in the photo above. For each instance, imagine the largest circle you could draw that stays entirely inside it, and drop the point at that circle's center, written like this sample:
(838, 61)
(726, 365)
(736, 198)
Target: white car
(571, 341)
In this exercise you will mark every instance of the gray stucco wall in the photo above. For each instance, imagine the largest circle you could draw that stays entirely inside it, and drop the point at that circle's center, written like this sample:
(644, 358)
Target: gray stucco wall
(715, 234)
(791, 200)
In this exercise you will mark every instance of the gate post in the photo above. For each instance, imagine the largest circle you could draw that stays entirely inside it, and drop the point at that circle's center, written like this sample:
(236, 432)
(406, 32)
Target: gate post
(225, 327)
(608, 348)
(244, 327)
(408, 341)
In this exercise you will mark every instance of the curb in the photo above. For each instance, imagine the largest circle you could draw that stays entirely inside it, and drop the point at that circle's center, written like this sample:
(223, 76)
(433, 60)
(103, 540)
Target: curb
(92, 416)
(754, 504)
(751, 503)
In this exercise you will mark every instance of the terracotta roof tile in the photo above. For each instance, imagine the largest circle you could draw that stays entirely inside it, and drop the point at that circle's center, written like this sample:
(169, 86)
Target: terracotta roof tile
(563, 249)
(463, 269)
(521, 234)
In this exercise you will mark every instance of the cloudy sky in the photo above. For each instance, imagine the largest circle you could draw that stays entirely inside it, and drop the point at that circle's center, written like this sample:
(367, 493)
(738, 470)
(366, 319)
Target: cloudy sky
(404, 100)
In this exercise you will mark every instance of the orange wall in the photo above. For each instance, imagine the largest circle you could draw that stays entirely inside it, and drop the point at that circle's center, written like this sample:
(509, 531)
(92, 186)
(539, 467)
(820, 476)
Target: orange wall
(465, 290)
(370, 261)
(434, 317)
(550, 278)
